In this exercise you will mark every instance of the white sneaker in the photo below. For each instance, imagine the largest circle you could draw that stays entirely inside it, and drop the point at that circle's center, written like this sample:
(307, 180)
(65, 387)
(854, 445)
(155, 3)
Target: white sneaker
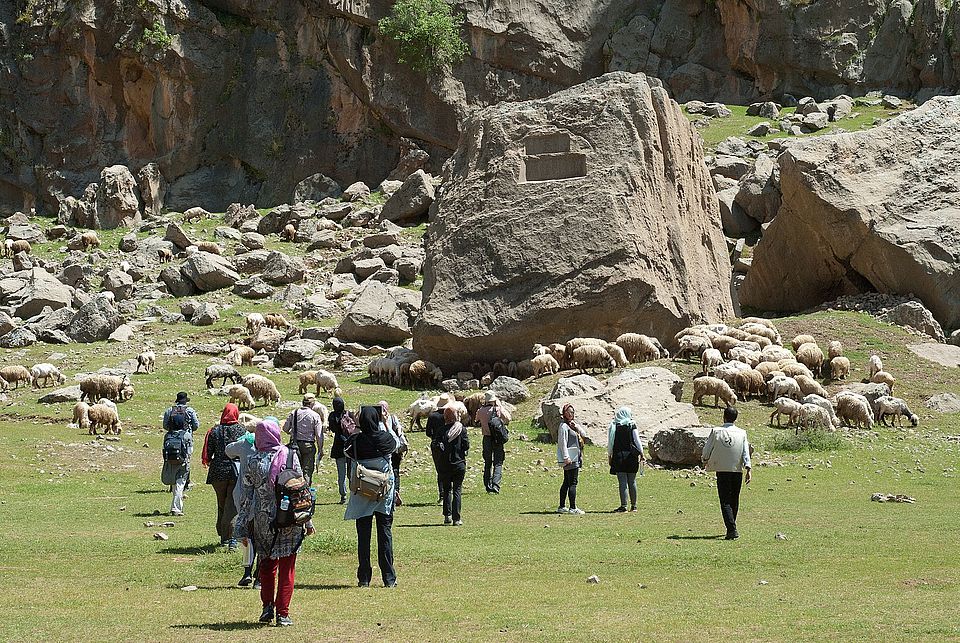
(562, 510)
(577, 512)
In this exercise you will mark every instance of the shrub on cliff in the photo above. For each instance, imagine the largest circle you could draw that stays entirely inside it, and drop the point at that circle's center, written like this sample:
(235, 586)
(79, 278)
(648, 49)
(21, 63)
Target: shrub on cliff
(427, 33)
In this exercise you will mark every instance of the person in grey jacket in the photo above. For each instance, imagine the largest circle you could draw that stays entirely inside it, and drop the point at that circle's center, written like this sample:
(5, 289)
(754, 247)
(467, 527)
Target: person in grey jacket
(727, 451)
(241, 451)
(570, 457)
(190, 422)
(176, 474)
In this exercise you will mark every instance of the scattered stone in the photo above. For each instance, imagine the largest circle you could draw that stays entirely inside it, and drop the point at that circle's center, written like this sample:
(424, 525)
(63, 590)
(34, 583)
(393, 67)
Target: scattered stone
(160, 535)
(356, 192)
(206, 314)
(944, 403)
(760, 129)
(123, 333)
(717, 110)
(682, 446)
(283, 269)
(763, 582)
(891, 102)
(176, 235)
(891, 497)
(780, 536)
(253, 240)
(594, 580)
(316, 188)
(95, 321)
(253, 288)
(18, 338)
(189, 588)
(412, 201)
(210, 272)
(61, 395)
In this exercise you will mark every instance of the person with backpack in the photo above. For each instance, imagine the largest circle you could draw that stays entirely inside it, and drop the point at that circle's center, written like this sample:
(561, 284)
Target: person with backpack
(342, 424)
(570, 457)
(305, 427)
(625, 453)
(269, 472)
(372, 494)
(191, 421)
(454, 445)
(391, 423)
(240, 451)
(177, 449)
(493, 419)
(222, 472)
(435, 431)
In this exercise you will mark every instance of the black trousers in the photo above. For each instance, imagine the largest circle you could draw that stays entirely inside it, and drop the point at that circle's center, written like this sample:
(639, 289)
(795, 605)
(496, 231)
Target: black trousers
(395, 463)
(728, 488)
(493, 457)
(307, 451)
(452, 482)
(384, 548)
(569, 487)
(439, 462)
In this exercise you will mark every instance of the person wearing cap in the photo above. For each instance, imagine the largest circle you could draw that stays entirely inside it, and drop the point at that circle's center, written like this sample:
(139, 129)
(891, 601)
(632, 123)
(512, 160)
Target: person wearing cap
(176, 473)
(190, 420)
(493, 454)
(436, 430)
(305, 427)
(223, 471)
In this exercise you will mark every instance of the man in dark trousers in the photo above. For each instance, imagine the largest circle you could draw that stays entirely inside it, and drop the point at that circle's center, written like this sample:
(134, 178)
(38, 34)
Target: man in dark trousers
(435, 431)
(727, 452)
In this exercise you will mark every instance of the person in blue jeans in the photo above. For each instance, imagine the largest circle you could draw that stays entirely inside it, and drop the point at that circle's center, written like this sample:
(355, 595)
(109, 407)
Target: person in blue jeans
(625, 453)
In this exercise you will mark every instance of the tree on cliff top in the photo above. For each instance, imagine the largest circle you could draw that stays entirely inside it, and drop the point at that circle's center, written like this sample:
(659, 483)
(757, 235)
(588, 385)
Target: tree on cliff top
(427, 33)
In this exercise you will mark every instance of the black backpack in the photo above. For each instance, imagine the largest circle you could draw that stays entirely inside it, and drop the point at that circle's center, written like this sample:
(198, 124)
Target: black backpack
(174, 447)
(498, 430)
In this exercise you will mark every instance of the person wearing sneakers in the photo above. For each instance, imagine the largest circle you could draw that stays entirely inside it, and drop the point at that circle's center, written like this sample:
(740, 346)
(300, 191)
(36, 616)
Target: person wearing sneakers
(625, 453)
(190, 422)
(454, 445)
(340, 435)
(570, 457)
(727, 451)
(177, 450)
(222, 472)
(240, 452)
(435, 431)
(493, 454)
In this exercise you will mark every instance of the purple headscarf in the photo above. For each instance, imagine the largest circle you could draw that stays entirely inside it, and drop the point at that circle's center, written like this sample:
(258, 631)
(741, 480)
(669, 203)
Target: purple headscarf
(267, 438)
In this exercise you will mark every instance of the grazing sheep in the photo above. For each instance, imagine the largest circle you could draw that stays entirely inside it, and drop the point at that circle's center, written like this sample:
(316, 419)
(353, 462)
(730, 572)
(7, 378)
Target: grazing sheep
(557, 350)
(7, 248)
(524, 369)
(275, 320)
(89, 240)
(748, 382)
(800, 340)
(249, 421)
(875, 365)
(811, 415)
(209, 246)
(165, 255)
(240, 395)
(712, 386)
(288, 233)
(722, 343)
(101, 415)
(883, 377)
(834, 349)
(618, 355)
(889, 405)
(195, 214)
(473, 402)
(692, 346)
(745, 355)
(839, 368)
(592, 356)
(49, 373)
(763, 321)
(146, 359)
(326, 381)
(20, 245)
(424, 374)
(728, 371)
(710, 360)
(241, 356)
(774, 354)
(81, 415)
(760, 330)
(16, 374)
(811, 356)
(544, 365)
(420, 409)
(255, 322)
(307, 380)
(795, 369)
(664, 353)
(577, 342)
(766, 368)
(637, 347)
(540, 349)
(110, 387)
(824, 404)
(784, 386)
(785, 406)
(261, 388)
(810, 386)
(224, 372)
(853, 409)
(759, 340)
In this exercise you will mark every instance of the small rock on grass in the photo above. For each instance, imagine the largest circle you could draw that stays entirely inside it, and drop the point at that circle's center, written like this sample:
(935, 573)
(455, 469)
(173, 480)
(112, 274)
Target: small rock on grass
(161, 536)
(594, 580)
(189, 588)
(763, 582)
(780, 536)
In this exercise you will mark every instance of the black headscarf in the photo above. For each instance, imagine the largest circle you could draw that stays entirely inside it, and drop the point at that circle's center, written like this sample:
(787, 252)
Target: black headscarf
(371, 442)
(369, 419)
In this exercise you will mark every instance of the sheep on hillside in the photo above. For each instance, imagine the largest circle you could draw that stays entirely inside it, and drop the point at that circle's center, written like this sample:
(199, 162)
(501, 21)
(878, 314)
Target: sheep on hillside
(809, 386)
(618, 355)
(774, 354)
(165, 255)
(195, 214)
(722, 343)
(222, 371)
(785, 406)
(577, 342)
(592, 356)
(855, 410)
(762, 331)
(839, 368)
(89, 240)
(557, 350)
(101, 415)
(745, 355)
(719, 389)
(784, 386)
(473, 402)
(209, 246)
(883, 377)
(800, 340)
(874, 365)
(544, 365)
(307, 380)
(811, 356)
(261, 388)
(275, 320)
(326, 381)
(420, 409)
(147, 360)
(16, 374)
(255, 321)
(710, 360)
(81, 415)
(889, 405)
(240, 395)
(794, 369)
(241, 356)
(637, 347)
(766, 368)
(692, 346)
(811, 415)
(288, 233)
(540, 349)
(424, 374)
(748, 382)
(111, 387)
(824, 404)
(7, 250)
(49, 373)
(834, 349)
(20, 245)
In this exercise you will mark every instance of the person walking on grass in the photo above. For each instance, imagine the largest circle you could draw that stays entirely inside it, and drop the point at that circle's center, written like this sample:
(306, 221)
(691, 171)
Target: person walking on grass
(372, 448)
(191, 421)
(277, 548)
(435, 431)
(625, 453)
(392, 424)
(222, 474)
(305, 427)
(340, 423)
(727, 451)
(570, 457)
(177, 449)
(240, 451)
(493, 452)
(454, 446)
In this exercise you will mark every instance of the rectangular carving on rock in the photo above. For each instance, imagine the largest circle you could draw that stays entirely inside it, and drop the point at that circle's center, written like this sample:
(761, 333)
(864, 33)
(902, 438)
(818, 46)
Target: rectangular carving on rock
(555, 143)
(551, 167)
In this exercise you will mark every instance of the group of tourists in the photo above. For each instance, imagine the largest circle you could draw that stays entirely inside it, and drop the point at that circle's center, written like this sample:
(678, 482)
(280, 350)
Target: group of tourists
(265, 497)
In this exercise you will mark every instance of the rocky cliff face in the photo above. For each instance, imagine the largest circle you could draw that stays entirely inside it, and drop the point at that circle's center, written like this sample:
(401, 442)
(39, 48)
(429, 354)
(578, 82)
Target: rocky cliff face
(238, 100)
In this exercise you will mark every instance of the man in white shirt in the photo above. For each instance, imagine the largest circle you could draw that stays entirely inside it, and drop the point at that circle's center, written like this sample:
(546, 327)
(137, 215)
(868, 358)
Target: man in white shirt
(305, 426)
(727, 452)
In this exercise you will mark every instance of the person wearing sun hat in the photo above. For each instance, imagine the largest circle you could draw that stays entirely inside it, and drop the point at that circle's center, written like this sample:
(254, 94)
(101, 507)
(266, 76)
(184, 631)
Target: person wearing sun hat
(190, 422)
(493, 453)
(436, 430)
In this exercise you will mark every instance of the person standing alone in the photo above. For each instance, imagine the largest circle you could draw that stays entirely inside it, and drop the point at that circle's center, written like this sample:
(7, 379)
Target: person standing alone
(625, 453)
(570, 457)
(727, 451)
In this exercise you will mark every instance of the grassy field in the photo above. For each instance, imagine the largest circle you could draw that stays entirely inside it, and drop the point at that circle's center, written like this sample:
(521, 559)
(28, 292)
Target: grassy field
(79, 563)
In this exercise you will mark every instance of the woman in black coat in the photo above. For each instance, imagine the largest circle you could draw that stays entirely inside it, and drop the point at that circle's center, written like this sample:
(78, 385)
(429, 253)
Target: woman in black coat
(453, 444)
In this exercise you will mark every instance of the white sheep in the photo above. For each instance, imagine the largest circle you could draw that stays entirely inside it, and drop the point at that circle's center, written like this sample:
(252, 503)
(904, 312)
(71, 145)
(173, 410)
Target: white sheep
(196, 213)
(47, 372)
(874, 365)
(325, 381)
(81, 415)
(111, 387)
(795, 369)
(834, 349)
(384, 370)
(692, 346)
(774, 354)
(255, 321)
(712, 386)
(8, 247)
(261, 388)
(710, 360)
(839, 368)
(544, 365)
(638, 347)
(241, 356)
(855, 409)
(785, 406)
(824, 404)
(240, 395)
(16, 374)
(811, 356)
(811, 415)
(883, 377)
(222, 371)
(104, 416)
(618, 355)
(809, 386)
(146, 359)
(540, 349)
(125, 266)
(784, 386)
(591, 356)
(745, 355)
(105, 402)
(800, 340)
(889, 405)
(419, 409)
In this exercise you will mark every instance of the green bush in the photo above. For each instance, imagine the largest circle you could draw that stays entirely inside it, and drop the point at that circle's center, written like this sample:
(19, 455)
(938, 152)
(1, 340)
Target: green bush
(155, 36)
(427, 33)
(809, 440)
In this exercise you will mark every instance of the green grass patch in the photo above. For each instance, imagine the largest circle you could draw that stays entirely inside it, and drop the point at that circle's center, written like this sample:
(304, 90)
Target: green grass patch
(808, 440)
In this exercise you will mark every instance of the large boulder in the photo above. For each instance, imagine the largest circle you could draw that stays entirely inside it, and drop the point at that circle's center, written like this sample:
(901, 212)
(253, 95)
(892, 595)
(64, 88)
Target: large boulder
(18, 338)
(377, 316)
(95, 321)
(316, 188)
(209, 271)
(27, 292)
(681, 446)
(119, 283)
(177, 283)
(412, 201)
(627, 233)
(117, 201)
(296, 350)
(283, 269)
(867, 211)
(651, 393)
(759, 192)
(509, 389)
(205, 314)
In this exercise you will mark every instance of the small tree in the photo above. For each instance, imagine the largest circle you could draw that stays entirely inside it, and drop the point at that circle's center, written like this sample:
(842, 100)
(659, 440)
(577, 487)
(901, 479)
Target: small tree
(427, 33)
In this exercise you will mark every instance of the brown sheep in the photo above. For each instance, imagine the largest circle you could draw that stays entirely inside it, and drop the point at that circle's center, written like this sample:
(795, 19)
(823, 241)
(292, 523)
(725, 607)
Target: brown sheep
(209, 246)
(165, 255)
(276, 320)
(800, 340)
(89, 240)
(16, 374)
(288, 233)
(20, 245)
(197, 214)
(810, 355)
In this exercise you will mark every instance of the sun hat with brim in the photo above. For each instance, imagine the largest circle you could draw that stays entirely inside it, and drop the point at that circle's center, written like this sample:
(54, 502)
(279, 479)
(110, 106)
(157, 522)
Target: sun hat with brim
(444, 400)
(490, 397)
(182, 398)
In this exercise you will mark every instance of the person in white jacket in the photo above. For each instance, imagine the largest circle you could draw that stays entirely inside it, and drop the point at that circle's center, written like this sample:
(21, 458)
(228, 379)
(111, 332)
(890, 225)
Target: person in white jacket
(570, 457)
(727, 451)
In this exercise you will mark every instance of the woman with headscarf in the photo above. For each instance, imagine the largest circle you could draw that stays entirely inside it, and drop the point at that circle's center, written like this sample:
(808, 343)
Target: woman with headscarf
(570, 457)
(222, 474)
(373, 447)
(240, 451)
(454, 445)
(625, 452)
(277, 548)
(391, 423)
(339, 439)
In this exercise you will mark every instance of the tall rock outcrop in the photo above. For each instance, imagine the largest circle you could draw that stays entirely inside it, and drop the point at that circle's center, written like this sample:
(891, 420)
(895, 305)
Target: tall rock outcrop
(877, 210)
(589, 212)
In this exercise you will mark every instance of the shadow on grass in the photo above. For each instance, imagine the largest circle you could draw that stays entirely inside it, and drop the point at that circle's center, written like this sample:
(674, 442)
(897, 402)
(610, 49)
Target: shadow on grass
(419, 504)
(544, 513)
(191, 551)
(677, 537)
(432, 524)
(222, 627)
(323, 587)
(153, 491)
